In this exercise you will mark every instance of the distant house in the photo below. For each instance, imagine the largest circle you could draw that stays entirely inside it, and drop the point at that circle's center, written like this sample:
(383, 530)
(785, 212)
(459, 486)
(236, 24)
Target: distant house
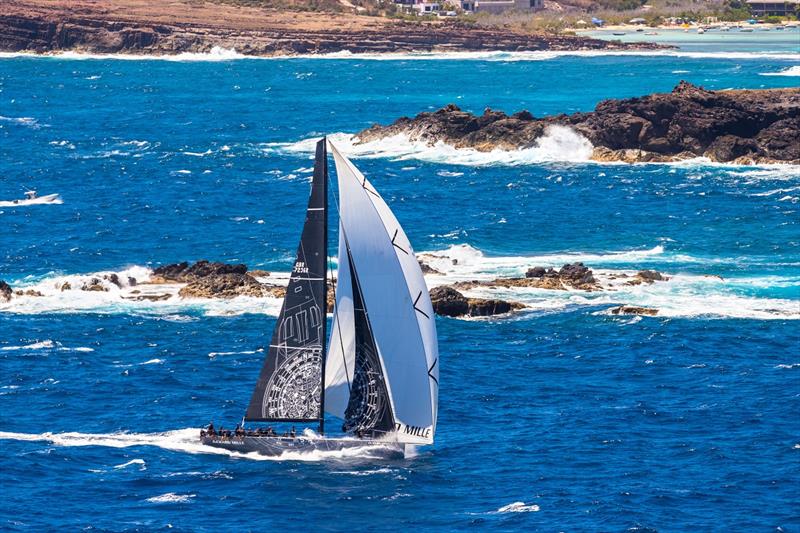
(769, 8)
(427, 7)
(499, 6)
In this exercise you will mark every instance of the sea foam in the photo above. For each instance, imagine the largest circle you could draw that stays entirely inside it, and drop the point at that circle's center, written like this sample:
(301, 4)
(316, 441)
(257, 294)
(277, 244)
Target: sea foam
(558, 144)
(184, 440)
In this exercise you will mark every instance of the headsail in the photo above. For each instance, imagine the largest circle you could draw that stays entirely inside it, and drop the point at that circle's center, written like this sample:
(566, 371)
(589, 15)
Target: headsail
(398, 309)
(289, 387)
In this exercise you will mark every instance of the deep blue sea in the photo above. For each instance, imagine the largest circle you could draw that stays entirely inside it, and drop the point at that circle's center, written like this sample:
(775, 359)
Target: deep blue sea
(562, 417)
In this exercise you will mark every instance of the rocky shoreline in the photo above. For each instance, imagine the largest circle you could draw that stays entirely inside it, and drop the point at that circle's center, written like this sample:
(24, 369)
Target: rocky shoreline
(739, 126)
(204, 280)
(166, 28)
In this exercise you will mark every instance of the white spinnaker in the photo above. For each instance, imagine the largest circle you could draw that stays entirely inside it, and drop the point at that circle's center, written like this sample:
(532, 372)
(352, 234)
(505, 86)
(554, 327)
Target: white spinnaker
(340, 362)
(397, 302)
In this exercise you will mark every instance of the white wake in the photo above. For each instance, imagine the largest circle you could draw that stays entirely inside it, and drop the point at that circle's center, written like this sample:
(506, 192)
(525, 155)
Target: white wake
(181, 440)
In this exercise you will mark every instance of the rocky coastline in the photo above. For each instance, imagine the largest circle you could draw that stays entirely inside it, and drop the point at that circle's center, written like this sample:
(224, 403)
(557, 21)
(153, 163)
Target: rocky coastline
(205, 280)
(738, 126)
(186, 26)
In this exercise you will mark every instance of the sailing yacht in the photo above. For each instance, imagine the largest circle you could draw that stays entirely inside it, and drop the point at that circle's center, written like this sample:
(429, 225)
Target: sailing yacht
(379, 374)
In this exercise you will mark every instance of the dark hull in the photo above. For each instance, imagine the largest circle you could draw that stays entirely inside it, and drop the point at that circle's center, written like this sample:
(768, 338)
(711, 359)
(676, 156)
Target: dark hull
(275, 446)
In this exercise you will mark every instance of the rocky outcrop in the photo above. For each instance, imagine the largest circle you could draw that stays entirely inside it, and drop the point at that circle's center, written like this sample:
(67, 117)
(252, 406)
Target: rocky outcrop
(743, 126)
(633, 310)
(648, 277)
(226, 286)
(205, 279)
(5, 291)
(186, 273)
(570, 276)
(157, 27)
(449, 302)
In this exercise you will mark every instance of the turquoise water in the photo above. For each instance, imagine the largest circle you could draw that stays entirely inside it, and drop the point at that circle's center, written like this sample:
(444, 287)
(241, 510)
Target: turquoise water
(762, 39)
(562, 417)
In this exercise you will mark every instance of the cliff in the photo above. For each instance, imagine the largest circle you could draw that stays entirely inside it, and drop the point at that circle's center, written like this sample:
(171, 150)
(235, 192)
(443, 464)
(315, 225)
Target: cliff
(157, 27)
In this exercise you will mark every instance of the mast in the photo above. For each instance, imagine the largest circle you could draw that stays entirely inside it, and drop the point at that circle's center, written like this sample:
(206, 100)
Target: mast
(321, 165)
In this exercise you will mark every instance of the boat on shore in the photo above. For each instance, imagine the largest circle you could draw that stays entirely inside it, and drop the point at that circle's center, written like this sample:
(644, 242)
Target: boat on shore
(379, 374)
(31, 198)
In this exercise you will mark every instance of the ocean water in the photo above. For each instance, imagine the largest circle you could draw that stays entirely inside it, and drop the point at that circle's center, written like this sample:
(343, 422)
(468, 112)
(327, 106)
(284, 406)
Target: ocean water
(561, 417)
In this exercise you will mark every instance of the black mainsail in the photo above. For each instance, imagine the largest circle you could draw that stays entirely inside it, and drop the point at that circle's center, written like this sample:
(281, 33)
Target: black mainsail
(290, 387)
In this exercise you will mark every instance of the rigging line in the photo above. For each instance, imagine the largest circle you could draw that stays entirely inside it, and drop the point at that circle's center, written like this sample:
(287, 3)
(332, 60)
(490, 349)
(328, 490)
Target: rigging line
(336, 307)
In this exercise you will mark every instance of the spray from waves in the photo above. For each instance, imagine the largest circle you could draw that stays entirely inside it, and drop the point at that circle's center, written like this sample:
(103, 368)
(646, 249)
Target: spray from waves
(558, 144)
(186, 441)
(462, 262)
(790, 71)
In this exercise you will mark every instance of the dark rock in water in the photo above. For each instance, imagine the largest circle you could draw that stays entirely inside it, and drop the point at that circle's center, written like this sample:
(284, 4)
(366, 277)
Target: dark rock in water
(258, 273)
(633, 310)
(66, 286)
(94, 284)
(576, 274)
(743, 126)
(571, 275)
(426, 268)
(185, 273)
(5, 291)
(541, 272)
(148, 297)
(481, 307)
(648, 277)
(227, 285)
(113, 278)
(449, 302)
(132, 281)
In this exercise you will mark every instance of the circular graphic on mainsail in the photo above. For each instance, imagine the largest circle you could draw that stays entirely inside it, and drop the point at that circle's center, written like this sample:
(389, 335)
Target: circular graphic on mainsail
(368, 398)
(294, 389)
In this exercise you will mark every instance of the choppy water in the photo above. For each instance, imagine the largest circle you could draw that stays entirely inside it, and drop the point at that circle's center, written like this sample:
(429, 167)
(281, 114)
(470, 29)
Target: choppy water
(563, 417)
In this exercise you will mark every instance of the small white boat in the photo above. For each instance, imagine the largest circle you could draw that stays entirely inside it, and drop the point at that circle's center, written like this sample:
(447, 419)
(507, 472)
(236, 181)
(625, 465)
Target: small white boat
(31, 198)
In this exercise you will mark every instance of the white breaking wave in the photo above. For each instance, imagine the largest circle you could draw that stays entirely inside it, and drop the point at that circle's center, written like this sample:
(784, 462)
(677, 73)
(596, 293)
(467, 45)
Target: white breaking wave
(791, 71)
(518, 507)
(140, 462)
(183, 440)
(171, 497)
(541, 55)
(63, 294)
(22, 121)
(217, 53)
(47, 345)
(558, 144)
(684, 295)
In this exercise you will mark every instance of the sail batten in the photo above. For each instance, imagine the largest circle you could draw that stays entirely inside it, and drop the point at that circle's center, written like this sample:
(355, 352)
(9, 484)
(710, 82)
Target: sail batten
(290, 387)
